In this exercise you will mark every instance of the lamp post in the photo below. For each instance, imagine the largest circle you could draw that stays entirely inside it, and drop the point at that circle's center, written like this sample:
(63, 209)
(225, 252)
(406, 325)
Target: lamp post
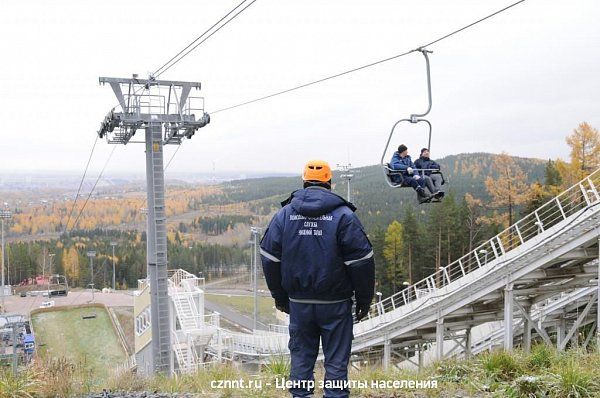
(113, 244)
(379, 305)
(255, 232)
(4, 215)
(485, 253)
(347, 175)
(51, 255)
(91, 254)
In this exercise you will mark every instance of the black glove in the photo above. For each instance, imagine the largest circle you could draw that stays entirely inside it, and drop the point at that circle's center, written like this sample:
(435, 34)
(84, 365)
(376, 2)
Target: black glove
(362, 309)
(283, 306)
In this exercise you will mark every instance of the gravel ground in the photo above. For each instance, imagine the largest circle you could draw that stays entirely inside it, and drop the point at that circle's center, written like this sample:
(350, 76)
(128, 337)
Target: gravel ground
(143, 394)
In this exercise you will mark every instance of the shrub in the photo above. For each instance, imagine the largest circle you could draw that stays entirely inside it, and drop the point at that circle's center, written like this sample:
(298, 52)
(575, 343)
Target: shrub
(23, 385)
(574, 382)
(501, 365)
(542, 357)
(278, 365)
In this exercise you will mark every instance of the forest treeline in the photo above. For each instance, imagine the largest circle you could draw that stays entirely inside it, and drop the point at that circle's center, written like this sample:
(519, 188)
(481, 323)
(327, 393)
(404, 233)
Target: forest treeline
(68, 256)
(485, 193)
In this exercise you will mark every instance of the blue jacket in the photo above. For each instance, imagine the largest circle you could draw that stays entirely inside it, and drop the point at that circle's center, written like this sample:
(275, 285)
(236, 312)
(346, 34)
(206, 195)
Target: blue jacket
(426, 163)
(399, 163)
(315, 250)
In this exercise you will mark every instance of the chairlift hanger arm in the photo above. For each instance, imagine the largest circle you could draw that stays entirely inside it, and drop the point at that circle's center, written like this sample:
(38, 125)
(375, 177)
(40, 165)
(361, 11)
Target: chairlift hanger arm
(413, 117)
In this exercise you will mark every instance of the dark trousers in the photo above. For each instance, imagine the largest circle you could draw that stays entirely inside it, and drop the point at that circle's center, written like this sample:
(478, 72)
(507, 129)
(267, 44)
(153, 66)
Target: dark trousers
(330, 323)
(414, 183)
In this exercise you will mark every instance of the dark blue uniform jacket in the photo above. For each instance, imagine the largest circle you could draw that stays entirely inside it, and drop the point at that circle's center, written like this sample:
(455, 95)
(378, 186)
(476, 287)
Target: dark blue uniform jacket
(426, 163)
(315, 250)
(402, 163)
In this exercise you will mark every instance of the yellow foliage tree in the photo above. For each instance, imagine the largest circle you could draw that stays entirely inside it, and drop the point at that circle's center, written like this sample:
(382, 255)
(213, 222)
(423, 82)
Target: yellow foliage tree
(392, 252)
(508, 190)
(585, 150)
(70, 264)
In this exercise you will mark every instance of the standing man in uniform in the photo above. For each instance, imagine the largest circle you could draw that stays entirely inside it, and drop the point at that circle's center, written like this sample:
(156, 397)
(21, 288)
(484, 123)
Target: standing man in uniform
(315, 256)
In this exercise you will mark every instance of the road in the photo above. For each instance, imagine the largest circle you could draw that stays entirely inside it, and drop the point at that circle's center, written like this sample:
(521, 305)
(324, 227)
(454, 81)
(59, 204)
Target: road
(24, 305)
(233, 316)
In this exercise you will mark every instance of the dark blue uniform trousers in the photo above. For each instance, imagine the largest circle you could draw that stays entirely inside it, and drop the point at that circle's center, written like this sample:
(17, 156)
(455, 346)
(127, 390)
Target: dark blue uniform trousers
(331, 323)
(414, 183)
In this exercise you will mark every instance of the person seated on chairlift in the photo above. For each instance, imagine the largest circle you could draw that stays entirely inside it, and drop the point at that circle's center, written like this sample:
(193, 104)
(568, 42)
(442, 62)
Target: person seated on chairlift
(401, 161)
(433, 179)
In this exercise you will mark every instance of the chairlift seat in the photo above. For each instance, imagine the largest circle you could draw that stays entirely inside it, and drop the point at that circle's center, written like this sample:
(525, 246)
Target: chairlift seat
(397, 179)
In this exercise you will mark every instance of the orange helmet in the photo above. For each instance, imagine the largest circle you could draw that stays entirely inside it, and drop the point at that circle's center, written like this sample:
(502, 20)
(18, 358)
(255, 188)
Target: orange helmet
(317, 170)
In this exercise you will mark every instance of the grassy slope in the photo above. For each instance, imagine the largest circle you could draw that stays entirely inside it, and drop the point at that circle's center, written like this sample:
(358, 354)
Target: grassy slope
(65, 334)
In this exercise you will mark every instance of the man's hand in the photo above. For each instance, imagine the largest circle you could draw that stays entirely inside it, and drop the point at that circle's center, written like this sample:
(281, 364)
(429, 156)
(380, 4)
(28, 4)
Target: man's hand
(362, 309)
(283, 306)
(417, 177)
(409, 170)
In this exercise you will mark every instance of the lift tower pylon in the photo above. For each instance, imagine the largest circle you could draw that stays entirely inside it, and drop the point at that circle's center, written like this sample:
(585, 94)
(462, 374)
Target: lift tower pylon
(167, 113)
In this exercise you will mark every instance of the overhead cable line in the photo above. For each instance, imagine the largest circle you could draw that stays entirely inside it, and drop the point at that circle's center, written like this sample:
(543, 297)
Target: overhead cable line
(80, 184)
(169, 64)
(367, 65)
(171, 159)
(198, 38)
(93, 187)
(203, 40)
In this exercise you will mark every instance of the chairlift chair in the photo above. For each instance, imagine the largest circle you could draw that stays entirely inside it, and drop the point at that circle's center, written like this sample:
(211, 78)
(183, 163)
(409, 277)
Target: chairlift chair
(395, 178)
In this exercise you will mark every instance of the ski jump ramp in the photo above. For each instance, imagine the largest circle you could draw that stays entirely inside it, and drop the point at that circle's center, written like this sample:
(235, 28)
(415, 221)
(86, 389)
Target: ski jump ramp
(552, 251)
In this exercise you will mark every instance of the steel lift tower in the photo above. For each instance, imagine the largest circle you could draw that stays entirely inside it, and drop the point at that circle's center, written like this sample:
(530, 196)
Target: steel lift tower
(167, 113)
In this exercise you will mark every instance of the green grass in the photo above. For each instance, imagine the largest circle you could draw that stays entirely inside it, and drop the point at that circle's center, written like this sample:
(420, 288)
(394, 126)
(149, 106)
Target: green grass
(544, 372)
(245, 305)
(90, 343)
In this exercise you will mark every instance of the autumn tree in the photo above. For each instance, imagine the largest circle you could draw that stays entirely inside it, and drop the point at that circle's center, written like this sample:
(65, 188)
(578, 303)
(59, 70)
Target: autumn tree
(508, 190)
(585, 150)
(392, 251)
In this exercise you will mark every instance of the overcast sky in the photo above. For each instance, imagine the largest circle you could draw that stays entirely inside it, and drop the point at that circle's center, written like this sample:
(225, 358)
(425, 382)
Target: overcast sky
(519, 82)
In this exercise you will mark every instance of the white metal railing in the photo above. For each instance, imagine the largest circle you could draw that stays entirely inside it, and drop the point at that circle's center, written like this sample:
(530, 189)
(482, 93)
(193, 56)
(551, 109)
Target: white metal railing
(266, 343)
(182, 279)
(187, 363)
(129, 364)
(568, 203)
(278, 328)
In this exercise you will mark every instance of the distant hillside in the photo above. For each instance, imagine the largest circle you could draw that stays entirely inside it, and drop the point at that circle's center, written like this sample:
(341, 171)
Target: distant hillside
(377, 203)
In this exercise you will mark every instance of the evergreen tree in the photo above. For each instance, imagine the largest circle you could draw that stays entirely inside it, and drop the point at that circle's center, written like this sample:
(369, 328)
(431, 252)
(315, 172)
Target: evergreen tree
(552, 175)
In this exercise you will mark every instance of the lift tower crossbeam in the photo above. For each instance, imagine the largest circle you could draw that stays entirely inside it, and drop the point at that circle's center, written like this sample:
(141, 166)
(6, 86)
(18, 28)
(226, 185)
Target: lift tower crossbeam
(167, 113)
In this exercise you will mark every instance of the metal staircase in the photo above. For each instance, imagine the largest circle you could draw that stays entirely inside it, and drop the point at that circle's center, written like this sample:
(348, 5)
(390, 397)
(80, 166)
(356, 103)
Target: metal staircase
(193, 332)
(186, 313)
